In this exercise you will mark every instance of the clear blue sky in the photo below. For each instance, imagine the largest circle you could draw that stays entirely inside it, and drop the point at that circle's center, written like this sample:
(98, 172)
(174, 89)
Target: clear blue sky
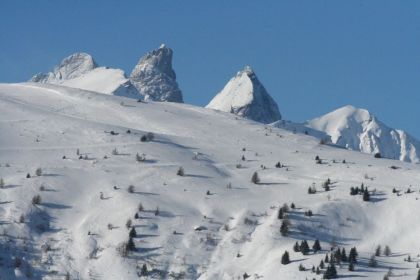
(312, 56)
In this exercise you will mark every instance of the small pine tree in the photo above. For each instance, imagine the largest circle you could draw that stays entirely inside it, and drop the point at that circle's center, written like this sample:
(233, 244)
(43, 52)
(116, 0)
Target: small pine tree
(284, 228)
(372, 261)
(280, 214)
(343, 255)
(296, 247)
(140, 158)
(304, 247)
(313, 269)
(157, 212)
(243, 158)
(351, 266)
(2, 184)
(36, 199)
(318, 271)
(386, 277)
(136, 216)
(28, 176)
(317, 246)
(131, 189)
(132, 233)
(38, 171)
(326, 259)
(130, 244)
(255, 178)
(301, 267)
(285, 259)
(144, 271)
(353, 254)
(140, 207)
(387, 251)
(378, 251)
(366, 195)
(321, 264)
(418, 275)
(330, 272)
(22, 219)
(180, 171)
(292, 206)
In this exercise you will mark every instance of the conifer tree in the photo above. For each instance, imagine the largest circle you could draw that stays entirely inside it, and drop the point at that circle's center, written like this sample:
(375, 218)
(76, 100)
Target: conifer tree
(180, 171)
(284, 228)
(351, 266)
(378, 251)
(353, 255)
(304, 247)
(317, 246)
(372, 261)
(366, 195)
(255, 178)
(132, 233)
(387, 251)
(285, 258)
(280, 215)
(331, 272)
(343, 255)
(296, 247)
(130, 244)
(321, 264)
(144, 271)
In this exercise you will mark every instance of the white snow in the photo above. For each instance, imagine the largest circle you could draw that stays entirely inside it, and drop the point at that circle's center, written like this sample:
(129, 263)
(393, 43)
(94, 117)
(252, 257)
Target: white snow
(357, 129)
(245, 96)
(104, 80)
(41, 123)
(80, 71)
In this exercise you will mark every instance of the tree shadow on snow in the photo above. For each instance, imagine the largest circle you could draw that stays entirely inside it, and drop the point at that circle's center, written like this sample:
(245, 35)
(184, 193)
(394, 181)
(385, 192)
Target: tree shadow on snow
(146, 193)
(11, 186)
(55, 205)
(197, 176)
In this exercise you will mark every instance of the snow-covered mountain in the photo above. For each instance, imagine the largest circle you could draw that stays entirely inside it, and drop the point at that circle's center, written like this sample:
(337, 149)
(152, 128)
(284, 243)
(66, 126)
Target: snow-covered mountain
(80, 70)
(359, 130)
(154, 77)
(245, 96)
(70, 67)
(75, 183)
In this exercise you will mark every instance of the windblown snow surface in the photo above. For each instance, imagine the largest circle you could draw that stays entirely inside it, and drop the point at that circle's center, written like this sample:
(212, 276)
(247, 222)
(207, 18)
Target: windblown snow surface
(74, 231)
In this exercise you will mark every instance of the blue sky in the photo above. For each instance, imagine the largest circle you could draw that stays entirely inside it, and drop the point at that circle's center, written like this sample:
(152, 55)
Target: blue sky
(312, 56)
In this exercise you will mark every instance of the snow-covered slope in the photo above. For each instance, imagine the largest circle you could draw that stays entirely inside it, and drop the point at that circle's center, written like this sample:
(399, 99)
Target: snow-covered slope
(104, 80)
(210, 224)
(154, 77)
(357, 129)
(245, 96)
(79, 70)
